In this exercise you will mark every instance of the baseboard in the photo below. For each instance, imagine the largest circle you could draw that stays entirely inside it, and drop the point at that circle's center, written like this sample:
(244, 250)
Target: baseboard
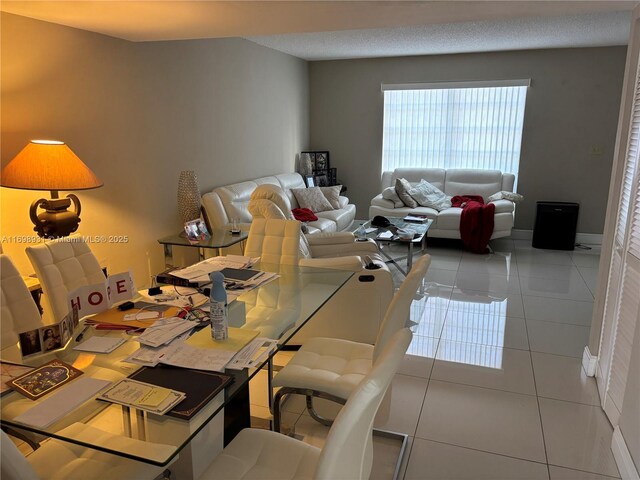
(589, 362)
(626, 467)
(586, 238)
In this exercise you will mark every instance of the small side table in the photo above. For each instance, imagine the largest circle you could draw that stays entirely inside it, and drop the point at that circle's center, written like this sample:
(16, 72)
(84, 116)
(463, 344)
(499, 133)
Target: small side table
(219, 239)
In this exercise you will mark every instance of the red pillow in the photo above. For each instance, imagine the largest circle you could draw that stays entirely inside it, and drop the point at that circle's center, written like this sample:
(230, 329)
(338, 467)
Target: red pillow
(304, 215)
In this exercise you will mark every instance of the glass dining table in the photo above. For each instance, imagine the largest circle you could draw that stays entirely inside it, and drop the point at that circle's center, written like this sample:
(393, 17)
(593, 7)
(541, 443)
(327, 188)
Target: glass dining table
(277, 309)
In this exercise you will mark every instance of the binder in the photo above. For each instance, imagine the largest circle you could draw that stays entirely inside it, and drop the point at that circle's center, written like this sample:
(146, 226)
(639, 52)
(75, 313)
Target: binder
(200, 386)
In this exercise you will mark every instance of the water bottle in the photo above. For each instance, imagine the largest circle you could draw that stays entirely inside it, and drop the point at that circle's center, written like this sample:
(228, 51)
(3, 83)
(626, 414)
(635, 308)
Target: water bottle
(218, 307)
(360, 233)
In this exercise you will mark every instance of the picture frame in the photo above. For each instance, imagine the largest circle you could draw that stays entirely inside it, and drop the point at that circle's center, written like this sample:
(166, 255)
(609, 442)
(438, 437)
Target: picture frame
(321, 180)
(196, 231)
(333, 177)
(320, 163)
(309, 180)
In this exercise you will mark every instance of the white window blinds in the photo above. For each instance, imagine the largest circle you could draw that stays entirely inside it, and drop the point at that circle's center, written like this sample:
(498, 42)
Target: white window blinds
(466, 126)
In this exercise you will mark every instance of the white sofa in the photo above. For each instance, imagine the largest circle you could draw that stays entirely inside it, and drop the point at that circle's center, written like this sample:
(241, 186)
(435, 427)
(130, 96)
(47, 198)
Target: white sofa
(223, 204)
(446, 223)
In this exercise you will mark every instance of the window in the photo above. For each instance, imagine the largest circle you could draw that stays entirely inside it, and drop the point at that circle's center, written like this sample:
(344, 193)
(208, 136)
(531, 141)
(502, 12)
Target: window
(454, 125)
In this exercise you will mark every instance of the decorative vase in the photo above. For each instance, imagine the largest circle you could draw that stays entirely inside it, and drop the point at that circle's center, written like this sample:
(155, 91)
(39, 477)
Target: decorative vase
(305, 164)
(188, 196)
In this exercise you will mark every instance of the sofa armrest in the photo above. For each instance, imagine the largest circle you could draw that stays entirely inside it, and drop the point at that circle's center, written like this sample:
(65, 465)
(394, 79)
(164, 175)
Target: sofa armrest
(504, 206)
(378, 201)
(343, 201)
(351, 263)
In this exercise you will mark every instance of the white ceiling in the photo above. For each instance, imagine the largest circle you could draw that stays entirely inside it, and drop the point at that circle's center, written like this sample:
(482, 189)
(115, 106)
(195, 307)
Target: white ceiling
(316, 30)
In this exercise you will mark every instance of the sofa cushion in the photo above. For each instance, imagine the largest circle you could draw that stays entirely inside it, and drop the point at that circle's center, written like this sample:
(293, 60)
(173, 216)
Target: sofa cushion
(435, 176)
(322, 224)
(473, 182)
(332, 194)
(449, 219)
(342, 217)
(312, 198)
(504, 195)
(428, 195)
(402, 189)
(390, 193)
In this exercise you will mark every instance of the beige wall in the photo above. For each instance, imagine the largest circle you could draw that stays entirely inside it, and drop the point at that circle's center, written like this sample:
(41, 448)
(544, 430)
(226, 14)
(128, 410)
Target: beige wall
(138, 114)
(572, 105)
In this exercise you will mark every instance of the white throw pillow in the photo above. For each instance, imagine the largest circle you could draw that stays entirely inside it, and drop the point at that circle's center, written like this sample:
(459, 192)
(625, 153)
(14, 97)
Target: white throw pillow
(390, 193)
(332, 194)
(402, 189)
(312, 198)
(430, 196)
(504, 195)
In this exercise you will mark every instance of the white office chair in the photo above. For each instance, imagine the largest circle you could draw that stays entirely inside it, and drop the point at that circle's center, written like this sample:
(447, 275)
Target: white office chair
(19, 312)
(331, 368)
(364, 298)
(348, 450)
(58, 460)
(62, 266)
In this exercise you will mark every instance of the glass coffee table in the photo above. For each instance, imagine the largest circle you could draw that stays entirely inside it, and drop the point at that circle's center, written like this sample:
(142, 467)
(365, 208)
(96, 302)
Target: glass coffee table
(218, 240)
(419, 238)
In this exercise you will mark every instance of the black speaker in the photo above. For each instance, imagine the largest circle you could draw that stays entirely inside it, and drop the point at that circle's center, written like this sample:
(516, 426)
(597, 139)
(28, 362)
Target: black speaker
(555, 225)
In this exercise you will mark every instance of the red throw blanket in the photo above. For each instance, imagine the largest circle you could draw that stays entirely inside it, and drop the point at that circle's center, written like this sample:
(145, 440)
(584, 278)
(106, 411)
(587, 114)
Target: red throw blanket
(476, 221)
(304, 215)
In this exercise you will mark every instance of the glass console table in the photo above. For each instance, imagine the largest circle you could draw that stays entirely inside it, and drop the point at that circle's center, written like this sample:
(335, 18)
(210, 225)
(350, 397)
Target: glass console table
(219, 239)
(282, 306)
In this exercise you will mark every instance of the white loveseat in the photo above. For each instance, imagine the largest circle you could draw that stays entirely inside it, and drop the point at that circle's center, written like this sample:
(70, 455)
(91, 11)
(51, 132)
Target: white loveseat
(446, 223)
(223, 204)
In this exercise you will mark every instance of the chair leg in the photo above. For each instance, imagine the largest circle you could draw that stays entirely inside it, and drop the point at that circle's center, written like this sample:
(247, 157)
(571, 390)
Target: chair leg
(309, 394)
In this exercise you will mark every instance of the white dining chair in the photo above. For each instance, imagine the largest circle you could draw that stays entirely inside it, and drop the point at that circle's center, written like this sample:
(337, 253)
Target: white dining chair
(331, 368)
(348, 450)
(58, 460)
(19, 312)
(62, 266)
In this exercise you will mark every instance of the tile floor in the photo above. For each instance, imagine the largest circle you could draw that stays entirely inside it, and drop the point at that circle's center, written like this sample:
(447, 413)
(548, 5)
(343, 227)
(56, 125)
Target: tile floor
(492, 385)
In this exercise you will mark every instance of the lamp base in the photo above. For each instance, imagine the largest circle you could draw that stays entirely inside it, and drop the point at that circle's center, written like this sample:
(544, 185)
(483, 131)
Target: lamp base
(56, 221)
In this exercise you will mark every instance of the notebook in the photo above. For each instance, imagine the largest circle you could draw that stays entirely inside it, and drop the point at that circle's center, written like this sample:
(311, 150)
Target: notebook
(242, 275)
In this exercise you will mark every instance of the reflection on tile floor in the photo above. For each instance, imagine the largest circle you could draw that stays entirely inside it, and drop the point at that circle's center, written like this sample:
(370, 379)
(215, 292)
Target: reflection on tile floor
(492, 385)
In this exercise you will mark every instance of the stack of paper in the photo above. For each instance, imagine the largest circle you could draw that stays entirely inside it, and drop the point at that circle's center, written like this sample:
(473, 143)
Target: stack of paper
(253, 354)
(100, 344)
(199, 272)
(143, 396)
(164, 331)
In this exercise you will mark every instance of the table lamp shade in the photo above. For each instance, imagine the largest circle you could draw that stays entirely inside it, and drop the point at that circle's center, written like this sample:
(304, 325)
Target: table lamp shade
(48, 165)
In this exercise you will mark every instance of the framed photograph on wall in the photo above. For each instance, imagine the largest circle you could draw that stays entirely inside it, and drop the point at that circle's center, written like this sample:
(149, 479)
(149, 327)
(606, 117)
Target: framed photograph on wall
(333, 176)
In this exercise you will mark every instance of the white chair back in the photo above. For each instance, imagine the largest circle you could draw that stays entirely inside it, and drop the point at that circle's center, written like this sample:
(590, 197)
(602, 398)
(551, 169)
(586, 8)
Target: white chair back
(348, 450)
(400, 307)
(18, 310)
(62, 266)
(274, 241)
(13, 465)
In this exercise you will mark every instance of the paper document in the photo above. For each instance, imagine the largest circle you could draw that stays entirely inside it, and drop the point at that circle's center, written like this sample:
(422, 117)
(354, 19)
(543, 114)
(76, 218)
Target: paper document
(100, 344)
(253, 354)
(160, 335)
(238, 338)
(62, 402)
(186, 356)
(144, 396)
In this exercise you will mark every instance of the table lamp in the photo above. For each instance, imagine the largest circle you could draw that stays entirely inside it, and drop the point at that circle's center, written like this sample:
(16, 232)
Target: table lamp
(50, 165)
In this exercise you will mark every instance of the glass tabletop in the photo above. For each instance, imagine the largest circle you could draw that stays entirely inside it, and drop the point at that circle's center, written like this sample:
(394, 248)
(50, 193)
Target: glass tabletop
(220, 238)
(419, 230)
(277, 309)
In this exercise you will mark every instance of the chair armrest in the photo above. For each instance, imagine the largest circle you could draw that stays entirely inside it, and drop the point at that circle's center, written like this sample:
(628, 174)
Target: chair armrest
(351, 263)
(344, 249)
(331, 238)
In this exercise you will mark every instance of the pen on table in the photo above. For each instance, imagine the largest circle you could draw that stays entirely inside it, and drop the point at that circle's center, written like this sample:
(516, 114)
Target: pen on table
(79, 337)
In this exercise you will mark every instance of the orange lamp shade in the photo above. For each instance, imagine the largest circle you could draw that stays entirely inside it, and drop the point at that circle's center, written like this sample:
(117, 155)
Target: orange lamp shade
(48, 165)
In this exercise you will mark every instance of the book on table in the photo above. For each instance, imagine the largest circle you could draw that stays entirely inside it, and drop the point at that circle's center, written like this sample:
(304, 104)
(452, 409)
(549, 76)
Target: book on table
(415, 218)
